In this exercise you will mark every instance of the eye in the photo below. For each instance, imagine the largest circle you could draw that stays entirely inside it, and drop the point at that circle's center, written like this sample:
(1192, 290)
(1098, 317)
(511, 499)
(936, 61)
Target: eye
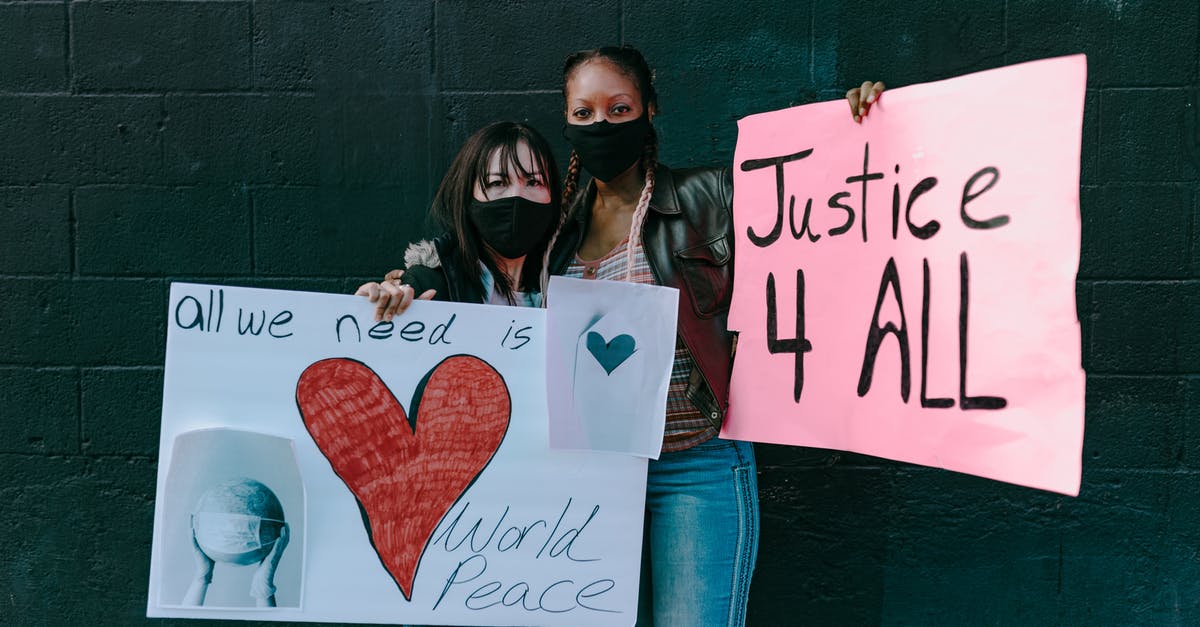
(581, 114)
(534, 181)
(496, 181)
(621, 109)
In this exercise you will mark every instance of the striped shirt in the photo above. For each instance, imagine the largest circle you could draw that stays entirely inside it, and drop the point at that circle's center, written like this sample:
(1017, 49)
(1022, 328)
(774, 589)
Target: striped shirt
(686, 426)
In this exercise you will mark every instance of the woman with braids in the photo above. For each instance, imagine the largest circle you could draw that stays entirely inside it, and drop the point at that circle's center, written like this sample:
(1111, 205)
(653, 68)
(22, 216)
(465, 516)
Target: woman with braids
(638, 220)
(499, 203)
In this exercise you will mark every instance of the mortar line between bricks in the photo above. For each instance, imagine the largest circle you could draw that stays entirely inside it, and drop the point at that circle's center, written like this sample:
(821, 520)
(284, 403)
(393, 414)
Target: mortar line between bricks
(194, 186)
(250, 33)
(69, 9)
(66, 8)
(81, 456)
(1137, 88)
(1134, 184)
(27, 368)
(1185, 374)
(1142, 280)
(1192, 234)
(436, 103)
(72, 234)
(158, 368)
(161, 125)
(621, 22)
(61, 276)
(44, 367)
(253, 233)
(138, 93)
(105, 368)
(812, 45)
(79, 410)
(497, 92)
(1004, 32)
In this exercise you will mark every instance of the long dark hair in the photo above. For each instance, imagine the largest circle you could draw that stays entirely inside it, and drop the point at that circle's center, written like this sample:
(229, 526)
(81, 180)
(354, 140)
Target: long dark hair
(457, 189)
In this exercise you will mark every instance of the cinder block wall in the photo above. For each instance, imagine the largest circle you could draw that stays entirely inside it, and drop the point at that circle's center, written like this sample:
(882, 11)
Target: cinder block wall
(295, 144)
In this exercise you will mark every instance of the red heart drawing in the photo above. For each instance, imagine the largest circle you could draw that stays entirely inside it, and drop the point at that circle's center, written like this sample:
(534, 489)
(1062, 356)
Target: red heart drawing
(406, 474)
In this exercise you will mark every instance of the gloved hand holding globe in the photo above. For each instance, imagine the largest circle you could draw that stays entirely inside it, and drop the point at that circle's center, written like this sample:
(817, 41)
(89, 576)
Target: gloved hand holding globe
(238, 522)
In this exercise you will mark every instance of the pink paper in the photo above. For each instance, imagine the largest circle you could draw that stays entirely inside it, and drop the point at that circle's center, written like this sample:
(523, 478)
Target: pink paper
(1017, 131)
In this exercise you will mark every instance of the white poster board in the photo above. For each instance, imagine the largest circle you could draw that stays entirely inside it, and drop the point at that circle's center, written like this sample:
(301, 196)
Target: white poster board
(521, 535)
(609, 357)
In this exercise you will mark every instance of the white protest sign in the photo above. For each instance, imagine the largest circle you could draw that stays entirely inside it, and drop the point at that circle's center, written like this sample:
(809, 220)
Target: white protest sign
(429, 493)
(610, 352)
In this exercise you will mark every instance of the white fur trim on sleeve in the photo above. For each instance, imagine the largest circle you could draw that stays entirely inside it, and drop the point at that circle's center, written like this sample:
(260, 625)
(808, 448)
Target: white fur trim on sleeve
(422, 253)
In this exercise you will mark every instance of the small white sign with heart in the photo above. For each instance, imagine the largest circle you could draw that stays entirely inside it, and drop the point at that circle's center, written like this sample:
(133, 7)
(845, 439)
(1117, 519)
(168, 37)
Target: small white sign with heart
(610, 354)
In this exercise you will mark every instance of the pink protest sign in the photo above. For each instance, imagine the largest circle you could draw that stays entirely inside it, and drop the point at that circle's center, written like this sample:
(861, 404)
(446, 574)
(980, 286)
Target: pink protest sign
(905, 288)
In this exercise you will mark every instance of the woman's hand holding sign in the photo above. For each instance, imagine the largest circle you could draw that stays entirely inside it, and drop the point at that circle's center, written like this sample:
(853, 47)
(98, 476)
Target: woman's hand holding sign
(862, 97)
(391, 296)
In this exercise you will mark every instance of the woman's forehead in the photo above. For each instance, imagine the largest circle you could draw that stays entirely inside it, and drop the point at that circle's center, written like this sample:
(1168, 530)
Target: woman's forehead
(520, 156)
(600, 76)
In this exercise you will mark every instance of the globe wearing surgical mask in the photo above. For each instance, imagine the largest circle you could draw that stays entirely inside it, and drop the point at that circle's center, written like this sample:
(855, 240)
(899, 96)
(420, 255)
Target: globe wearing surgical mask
(237, 521)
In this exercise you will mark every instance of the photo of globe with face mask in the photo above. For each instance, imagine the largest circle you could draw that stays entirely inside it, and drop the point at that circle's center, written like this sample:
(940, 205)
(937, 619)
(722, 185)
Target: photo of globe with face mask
(237, 521)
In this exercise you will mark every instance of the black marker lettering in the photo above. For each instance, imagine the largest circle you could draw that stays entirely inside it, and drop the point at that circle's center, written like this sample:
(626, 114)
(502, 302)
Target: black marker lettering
(875, 335)
(755, 164)
(968, 195)
(381, 330)
(581, 595)
(525, 338)
(804, 228)
(835, 204)
(797, 345)
(412, 331)
(438, 335)
(220, 308)
(338, 327)
(197, 320)
(865, 177)
(574, 534)
(542, 598)
(453, 578)
(250, 323)
(964, 401)
(929, 229)
(925, 400)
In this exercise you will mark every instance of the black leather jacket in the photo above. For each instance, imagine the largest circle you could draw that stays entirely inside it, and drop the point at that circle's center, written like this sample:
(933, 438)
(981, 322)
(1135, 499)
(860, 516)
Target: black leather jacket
(688, 241)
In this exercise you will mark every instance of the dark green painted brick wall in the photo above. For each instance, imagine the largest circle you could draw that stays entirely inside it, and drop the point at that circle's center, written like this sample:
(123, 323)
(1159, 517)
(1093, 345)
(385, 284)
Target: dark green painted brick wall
(293, 144)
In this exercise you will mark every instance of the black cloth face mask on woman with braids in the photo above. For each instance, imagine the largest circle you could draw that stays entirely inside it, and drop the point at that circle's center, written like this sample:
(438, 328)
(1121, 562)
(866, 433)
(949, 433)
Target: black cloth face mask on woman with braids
(606, 149)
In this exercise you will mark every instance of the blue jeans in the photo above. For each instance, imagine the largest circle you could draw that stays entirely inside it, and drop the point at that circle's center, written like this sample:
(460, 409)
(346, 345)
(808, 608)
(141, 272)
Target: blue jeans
(701, 536)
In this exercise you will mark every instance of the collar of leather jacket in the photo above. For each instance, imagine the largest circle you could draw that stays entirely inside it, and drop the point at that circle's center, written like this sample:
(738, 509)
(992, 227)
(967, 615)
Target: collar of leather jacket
(664, 200)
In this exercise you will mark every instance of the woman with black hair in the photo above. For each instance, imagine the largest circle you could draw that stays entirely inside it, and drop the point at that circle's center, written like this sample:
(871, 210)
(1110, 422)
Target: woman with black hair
(499, 203)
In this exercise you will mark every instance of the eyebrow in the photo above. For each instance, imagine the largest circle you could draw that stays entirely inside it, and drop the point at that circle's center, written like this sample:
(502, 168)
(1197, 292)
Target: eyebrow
(613, 97)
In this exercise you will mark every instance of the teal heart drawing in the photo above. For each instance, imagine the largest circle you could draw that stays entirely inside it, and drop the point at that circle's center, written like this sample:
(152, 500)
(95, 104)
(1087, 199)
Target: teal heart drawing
(610, 354)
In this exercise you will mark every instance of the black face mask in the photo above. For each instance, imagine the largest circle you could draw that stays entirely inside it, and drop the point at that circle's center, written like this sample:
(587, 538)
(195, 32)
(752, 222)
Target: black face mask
(512, 225)
(606, 149)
